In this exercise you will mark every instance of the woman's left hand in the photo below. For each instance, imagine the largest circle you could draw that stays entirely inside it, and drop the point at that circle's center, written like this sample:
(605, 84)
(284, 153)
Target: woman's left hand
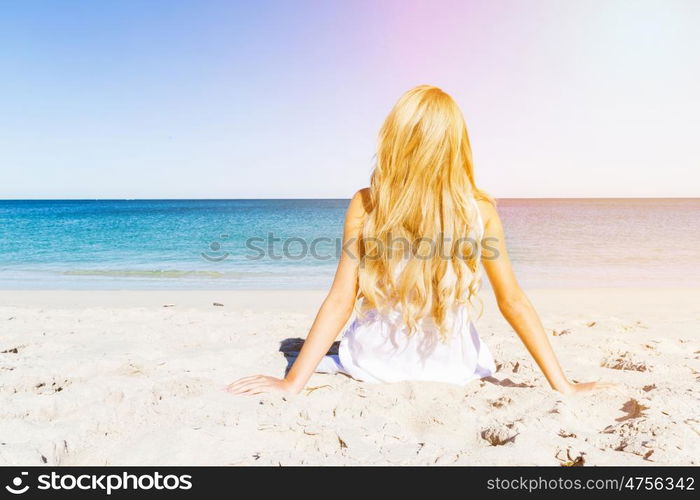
(259, 384)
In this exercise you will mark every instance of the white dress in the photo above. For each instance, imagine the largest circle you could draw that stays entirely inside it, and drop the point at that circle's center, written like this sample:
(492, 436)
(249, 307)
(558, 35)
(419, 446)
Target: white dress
(376, 348)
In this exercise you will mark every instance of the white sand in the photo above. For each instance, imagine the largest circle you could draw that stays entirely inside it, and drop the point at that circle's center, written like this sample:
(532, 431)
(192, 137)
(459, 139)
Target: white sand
(115, 378)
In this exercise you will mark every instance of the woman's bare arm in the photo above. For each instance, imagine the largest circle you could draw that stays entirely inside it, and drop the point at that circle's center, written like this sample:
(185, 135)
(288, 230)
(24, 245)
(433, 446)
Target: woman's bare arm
(516, 307)
(333, 314)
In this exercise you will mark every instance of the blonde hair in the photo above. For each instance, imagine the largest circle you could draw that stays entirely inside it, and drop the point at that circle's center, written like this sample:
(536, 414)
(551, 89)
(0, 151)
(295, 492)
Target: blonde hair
(422, 190)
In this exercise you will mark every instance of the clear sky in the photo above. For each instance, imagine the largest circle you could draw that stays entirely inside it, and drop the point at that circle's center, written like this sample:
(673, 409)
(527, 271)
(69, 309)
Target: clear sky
(226, 99)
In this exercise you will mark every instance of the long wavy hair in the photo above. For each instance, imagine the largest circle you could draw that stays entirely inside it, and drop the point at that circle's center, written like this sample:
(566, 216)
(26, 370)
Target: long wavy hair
(420, 242)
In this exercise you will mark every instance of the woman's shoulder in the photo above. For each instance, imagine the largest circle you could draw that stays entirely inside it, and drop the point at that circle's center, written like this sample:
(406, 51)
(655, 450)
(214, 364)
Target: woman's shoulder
(487, 209)
(357, 211)
(361, 203)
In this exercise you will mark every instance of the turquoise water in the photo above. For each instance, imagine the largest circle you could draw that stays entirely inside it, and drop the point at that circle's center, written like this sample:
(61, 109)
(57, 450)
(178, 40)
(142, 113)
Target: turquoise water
(240, 244)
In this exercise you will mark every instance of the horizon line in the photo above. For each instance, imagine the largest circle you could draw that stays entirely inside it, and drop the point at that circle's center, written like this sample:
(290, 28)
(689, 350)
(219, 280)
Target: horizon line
(333, 198)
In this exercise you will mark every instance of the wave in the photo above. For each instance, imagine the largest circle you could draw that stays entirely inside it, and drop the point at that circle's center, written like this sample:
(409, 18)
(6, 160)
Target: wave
(167, 273)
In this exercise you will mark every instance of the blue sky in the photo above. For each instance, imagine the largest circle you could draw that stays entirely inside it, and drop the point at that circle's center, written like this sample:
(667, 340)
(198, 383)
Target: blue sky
(223, 99)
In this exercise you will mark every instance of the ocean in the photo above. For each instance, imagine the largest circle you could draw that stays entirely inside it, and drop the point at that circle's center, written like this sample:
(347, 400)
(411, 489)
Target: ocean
(288, 244)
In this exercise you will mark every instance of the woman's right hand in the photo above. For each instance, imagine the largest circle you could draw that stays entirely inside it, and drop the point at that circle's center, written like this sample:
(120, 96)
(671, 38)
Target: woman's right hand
(575, 388)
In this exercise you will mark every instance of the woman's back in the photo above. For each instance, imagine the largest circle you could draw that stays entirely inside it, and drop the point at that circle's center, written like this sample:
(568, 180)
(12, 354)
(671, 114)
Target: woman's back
(379, 346)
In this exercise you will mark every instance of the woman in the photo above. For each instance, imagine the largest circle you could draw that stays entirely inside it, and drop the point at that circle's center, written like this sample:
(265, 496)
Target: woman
(413, 242)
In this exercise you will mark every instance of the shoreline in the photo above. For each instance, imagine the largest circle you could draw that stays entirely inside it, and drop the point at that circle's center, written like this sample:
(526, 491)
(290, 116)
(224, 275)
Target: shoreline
(113, 377)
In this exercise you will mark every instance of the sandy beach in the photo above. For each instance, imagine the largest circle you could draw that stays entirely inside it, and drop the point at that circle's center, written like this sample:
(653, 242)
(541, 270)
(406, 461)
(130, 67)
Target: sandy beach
(137, 377)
